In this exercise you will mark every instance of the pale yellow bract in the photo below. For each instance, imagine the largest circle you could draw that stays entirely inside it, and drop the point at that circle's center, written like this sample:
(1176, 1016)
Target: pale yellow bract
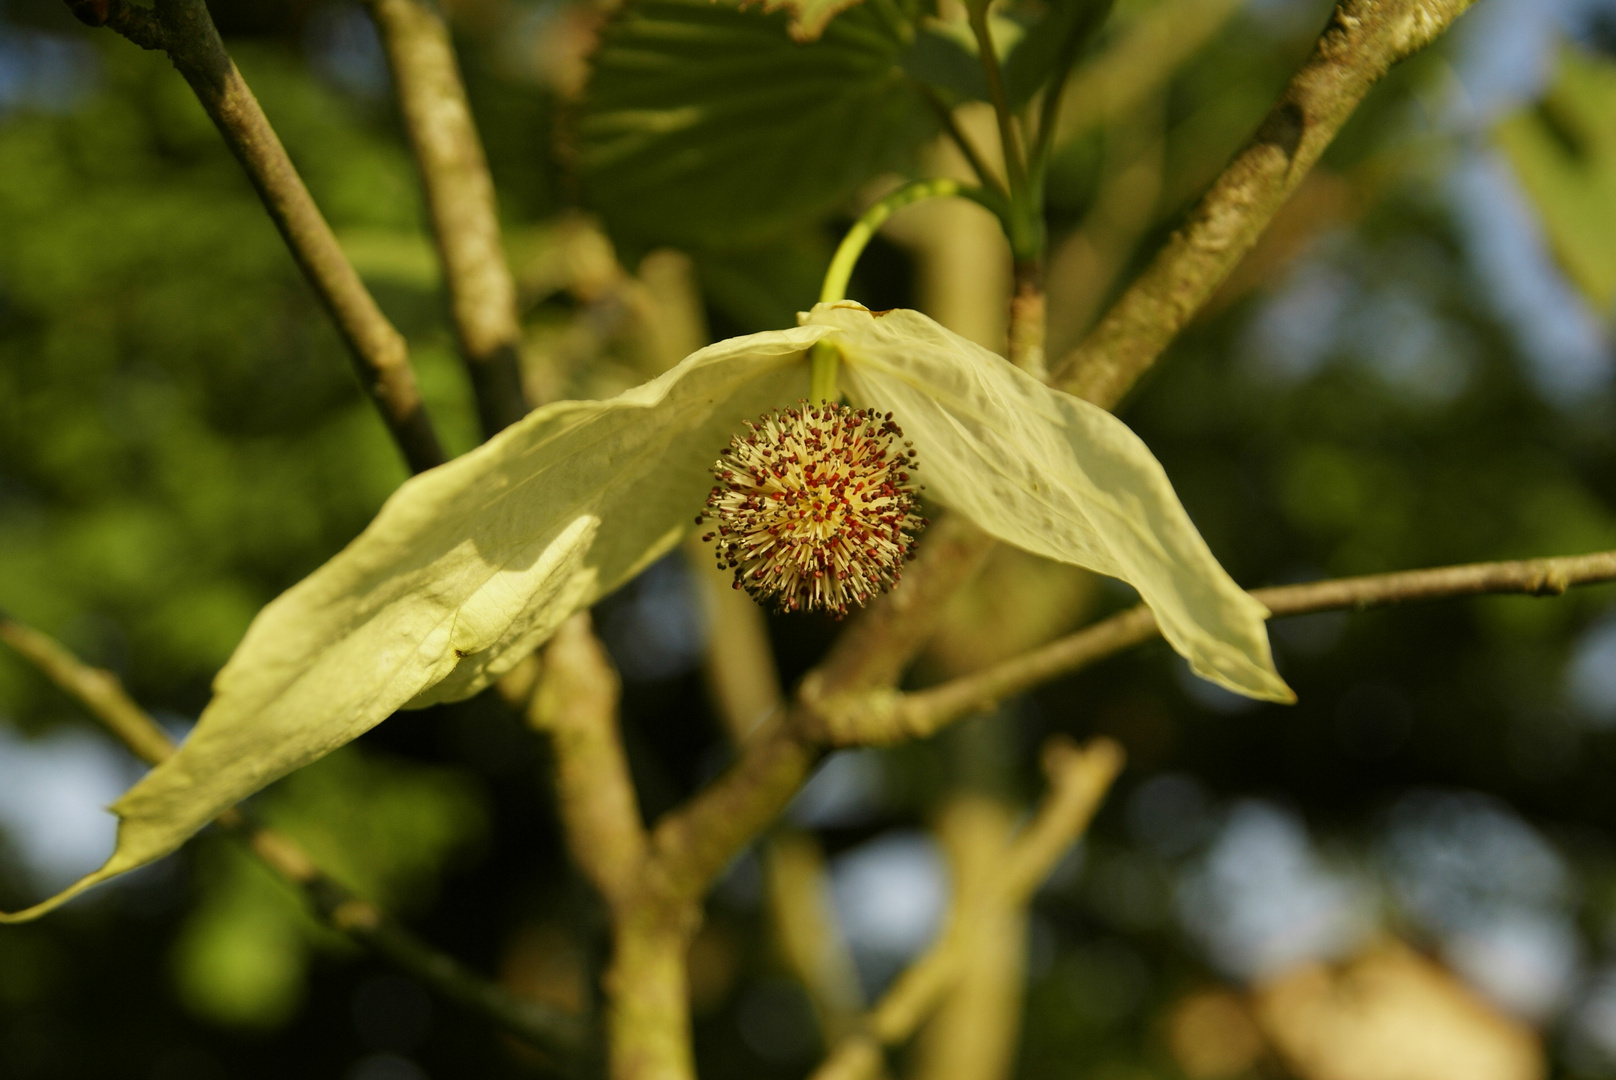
(471, 565)
(1056, 476)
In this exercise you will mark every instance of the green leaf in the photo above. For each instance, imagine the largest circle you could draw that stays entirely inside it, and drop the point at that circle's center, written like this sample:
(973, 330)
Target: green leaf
(756, 288)
(705, 125)
(946, 59)
(465, 570)
(1564, 151)
(1056, 476)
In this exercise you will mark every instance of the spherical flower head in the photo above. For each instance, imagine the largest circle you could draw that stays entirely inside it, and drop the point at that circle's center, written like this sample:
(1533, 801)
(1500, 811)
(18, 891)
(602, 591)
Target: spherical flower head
(815, 508)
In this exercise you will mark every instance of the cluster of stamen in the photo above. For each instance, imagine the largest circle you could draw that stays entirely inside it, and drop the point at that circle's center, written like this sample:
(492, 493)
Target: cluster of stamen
(814, 507)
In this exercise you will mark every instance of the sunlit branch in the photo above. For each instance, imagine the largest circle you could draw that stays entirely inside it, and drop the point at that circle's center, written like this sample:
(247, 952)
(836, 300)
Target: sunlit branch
(575, 703)
(1078, 780)
(1363, 40)
(744, 687)
(184, 30)
(104, 697)
(646, 982)
(888, 717)
(461, 201)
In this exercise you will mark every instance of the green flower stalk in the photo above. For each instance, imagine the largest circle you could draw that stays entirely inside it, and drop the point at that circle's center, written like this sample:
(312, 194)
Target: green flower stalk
(470, 566)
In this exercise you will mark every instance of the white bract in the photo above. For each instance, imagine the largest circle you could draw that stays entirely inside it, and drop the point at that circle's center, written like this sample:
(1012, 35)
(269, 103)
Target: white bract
(470, 566)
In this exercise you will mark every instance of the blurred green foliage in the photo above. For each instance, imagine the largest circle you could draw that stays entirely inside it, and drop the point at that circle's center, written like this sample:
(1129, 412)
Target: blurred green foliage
(180, 432)
(381, 827)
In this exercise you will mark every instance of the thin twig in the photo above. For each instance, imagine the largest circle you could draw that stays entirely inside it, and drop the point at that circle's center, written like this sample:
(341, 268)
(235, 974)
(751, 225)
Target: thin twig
(1078, 779)
(184, 30)
(461, 200)
(1364, 39)
(104, 697)
(98, 690)
(1054, 91)
(888, 717)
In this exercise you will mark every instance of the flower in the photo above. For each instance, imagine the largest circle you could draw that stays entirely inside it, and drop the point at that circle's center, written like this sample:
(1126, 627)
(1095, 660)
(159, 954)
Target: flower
(469, 566)
(815, 508)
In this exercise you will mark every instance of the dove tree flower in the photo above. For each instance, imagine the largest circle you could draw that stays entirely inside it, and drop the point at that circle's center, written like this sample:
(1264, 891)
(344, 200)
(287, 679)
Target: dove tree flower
(815, 507)
(474, 563)
(471, 565)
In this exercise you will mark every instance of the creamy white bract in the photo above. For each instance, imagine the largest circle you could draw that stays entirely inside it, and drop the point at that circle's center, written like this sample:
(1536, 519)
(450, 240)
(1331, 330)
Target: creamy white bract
(470, 566)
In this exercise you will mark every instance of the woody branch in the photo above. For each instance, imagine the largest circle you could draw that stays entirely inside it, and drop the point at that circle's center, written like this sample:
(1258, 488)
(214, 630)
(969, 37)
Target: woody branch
(460, 201)
(891, 717)
(184, 30)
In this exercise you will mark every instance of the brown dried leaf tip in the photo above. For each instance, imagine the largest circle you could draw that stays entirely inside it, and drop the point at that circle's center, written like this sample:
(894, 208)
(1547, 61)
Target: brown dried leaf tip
(815, 508)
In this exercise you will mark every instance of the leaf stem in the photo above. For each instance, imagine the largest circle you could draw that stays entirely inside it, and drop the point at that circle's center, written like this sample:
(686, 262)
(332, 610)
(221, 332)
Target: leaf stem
(858, 237)
(1015, 165)
(825, 358)
(1024, 223)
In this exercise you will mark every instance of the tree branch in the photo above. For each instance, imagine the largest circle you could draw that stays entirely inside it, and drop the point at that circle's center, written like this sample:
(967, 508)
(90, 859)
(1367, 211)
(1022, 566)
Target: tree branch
(576, 705)
(744, 686)
(184, 30)
(1363, 40)
(461, 200)
(648, 1012)
(104, 697)
(888, 717)
(692, 844)
(1078, 780)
